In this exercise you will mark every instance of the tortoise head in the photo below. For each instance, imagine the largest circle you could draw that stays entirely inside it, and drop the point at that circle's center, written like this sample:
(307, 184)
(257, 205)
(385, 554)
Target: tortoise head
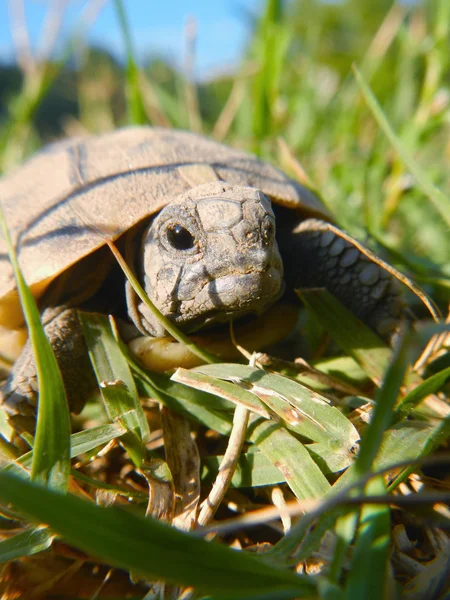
(209, 256)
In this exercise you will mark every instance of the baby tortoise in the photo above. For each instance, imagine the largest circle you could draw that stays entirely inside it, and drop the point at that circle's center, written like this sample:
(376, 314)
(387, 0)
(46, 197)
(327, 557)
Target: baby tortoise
(212, 232)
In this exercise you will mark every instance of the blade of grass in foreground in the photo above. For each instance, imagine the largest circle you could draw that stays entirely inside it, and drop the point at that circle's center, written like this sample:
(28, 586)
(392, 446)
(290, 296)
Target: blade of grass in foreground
(26, 543)
(152, 549)
(304, 411)
(51, 457)
(80, 443)
(370, 444)
(383, 409)
(421, 391)
(116, 383)
(289, 455)
(184, 400)
(369, 579)
(357, 340)
(437, 437)
(277, 444)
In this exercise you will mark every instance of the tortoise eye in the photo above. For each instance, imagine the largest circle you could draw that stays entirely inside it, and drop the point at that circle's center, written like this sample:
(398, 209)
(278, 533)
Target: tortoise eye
(180, 238)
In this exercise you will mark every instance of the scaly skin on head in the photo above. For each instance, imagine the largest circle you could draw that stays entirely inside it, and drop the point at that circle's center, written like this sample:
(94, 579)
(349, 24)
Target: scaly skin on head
(209, 256)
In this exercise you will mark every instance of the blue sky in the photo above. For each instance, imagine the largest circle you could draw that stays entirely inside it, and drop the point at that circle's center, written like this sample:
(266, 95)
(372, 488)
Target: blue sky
(157, 27)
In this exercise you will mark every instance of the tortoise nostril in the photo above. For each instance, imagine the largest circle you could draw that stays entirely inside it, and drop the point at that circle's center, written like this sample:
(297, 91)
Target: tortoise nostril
(268, 231)
(252, 237)
(262, 260)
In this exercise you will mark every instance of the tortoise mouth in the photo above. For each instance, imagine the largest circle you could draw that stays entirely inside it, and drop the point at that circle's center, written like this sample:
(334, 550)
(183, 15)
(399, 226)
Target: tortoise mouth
(217, 300)
(230, 297)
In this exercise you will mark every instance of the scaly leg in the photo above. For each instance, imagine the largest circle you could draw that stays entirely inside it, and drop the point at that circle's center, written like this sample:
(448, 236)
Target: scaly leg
(318, 254)
(19, 394)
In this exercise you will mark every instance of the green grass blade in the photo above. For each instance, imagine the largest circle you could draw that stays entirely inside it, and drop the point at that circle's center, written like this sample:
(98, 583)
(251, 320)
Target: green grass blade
(224, 389)
(276, 443)
(344, 529)
(381, 417)
(135, 103)
(270, 46)
(382, 414)
(253, 470)
(116, 383)
(51, 459)
(164, 383)
(25, 543)
(437, 437)
(289, 455)
(152, 549)
(357, 340)
(330, 459)
(369, 579)
(304, 411)
(404, 441)
(95, 437)
(191, 405)
(431, 385)
(95, 484)
(80, 443)
(439, 200)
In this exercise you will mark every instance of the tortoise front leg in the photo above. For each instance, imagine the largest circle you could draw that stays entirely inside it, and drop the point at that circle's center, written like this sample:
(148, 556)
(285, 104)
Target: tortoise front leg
(19, 394)
(320, 255)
